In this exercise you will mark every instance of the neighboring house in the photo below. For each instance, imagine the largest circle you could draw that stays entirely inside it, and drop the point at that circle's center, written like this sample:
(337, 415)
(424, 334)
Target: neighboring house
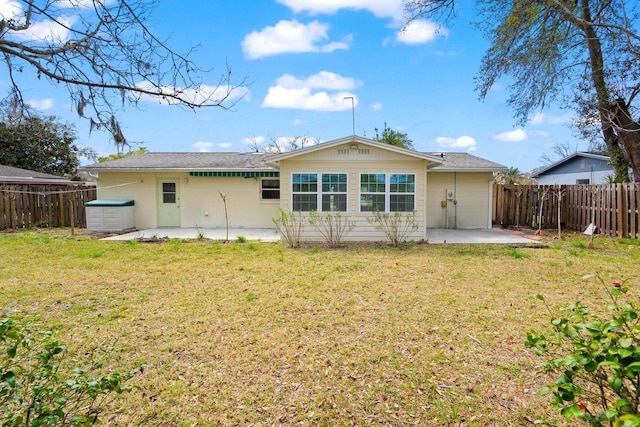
(9, 174)
(353, 175)
(578, 168)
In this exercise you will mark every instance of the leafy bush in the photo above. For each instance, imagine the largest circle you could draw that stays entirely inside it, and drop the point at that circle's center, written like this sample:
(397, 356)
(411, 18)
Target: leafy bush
(596, 361)
(396, 226)
(332, 226)
(290, 227)
(35, 390)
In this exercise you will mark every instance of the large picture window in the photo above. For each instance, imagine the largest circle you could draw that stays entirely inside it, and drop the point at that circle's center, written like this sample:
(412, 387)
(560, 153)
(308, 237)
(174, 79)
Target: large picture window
(323, 192)
(382, 192)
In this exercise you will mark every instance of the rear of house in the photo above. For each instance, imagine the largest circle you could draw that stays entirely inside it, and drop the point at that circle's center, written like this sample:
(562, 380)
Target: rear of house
(353, 176)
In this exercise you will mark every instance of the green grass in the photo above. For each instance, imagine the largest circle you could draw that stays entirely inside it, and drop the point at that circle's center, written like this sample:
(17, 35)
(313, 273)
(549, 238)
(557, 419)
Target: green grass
(241, 334)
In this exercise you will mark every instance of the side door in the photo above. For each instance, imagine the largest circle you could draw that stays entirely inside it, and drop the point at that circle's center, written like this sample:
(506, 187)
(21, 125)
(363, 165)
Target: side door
(168, 202)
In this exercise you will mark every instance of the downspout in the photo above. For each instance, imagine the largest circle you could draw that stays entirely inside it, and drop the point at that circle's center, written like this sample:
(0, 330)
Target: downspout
(490, 213)
(455, 200)
(426, 202)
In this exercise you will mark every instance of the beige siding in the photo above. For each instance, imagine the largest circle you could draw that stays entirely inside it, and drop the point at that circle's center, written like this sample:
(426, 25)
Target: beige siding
(377, 161)
(471, 195)
(200, 202)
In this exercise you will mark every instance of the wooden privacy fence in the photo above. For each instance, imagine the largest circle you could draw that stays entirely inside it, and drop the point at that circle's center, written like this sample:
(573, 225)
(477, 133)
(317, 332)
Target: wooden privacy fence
(613, 208)
(44, 205)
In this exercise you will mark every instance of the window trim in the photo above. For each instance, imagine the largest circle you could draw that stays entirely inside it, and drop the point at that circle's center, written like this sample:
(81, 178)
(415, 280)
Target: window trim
(387, 193)
(319, 193)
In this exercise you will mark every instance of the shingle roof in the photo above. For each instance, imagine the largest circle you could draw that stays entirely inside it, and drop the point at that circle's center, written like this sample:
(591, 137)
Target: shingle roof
(466, 162)
(256, 162)
(12, 172)
(185, 161)
(547, 168)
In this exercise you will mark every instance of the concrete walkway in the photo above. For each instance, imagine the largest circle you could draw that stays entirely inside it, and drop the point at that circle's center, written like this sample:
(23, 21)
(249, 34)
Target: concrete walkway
(493, 236)
(260, 234)
(434, 236)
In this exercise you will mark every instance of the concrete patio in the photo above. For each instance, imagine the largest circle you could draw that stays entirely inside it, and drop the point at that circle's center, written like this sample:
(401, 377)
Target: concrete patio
(434, 236)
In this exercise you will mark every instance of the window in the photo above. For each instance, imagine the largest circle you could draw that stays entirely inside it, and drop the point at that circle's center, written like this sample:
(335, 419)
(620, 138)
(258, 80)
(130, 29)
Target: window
(582, 181)
(372, 192)
(270, 189)
(387, 192)
(169, 192)
(402, 189)
(331, 193)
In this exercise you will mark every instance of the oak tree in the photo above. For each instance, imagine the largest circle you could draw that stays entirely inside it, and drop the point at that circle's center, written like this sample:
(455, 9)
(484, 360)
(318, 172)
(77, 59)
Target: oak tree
(581, 53)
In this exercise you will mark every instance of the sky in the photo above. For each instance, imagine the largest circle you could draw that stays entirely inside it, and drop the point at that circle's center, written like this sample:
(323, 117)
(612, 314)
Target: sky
(318, 69)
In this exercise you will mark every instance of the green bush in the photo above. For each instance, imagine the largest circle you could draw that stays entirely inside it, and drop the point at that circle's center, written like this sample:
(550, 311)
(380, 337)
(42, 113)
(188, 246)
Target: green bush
(595, 360)
(38, 389)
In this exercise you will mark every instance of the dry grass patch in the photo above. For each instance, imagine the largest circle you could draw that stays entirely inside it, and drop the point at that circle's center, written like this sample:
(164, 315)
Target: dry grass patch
(251, 333)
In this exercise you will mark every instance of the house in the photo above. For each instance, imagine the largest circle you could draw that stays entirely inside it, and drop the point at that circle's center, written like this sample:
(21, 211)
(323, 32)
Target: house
(10, 174)
(353, 175)
(578, 168)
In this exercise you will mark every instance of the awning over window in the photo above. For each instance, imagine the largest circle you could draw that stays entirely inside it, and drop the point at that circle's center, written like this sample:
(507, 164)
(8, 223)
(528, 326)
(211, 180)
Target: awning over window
(238, 174)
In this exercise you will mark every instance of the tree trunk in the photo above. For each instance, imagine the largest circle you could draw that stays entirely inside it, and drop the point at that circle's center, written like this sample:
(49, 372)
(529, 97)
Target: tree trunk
(629, 132)
(616, 152)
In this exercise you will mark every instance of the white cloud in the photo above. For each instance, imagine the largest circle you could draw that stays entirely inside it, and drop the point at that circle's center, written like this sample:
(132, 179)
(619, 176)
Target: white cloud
(516, 135)
(321, 80)
(418, 32)
(542, 118)
(9, 9)
(41, 104)
(467, 142)
(298, 122)
(377, 106)
(289, 37)
(202, 147)
(381, 8)
(224, 145)
(47, 31)
(303, 94)
(202, 95)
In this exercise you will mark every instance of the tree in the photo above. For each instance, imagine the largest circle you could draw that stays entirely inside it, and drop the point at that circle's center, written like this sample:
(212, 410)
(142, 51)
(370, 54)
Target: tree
(120, 155)
(560, 151)
(102, 48)
(511, 176)
(393, 137)
(582, 53)
(40, 144)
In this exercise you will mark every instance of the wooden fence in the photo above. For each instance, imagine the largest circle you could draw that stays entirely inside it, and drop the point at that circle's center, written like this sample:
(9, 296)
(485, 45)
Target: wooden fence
(613, 209)
(44, 205)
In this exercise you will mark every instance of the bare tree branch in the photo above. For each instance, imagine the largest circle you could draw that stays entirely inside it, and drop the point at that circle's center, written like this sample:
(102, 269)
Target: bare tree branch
(102, 48)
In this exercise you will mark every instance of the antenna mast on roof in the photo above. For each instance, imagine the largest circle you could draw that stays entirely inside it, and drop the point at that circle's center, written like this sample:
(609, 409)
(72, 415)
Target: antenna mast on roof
(353, 113)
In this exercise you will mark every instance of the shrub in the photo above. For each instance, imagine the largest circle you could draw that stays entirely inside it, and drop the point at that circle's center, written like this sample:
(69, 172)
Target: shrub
(35, 390)
(332, 226)
(396, 226)
(290, 227)
(596, 361)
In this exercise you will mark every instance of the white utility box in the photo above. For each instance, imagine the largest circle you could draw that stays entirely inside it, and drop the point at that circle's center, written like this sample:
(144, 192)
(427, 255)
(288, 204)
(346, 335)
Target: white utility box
(110, 215)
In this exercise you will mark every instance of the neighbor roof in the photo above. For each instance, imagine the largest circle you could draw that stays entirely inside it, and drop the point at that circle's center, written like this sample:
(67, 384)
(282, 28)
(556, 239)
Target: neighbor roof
(12, 173)
(568, 159)
(185, 162)
(464, 162)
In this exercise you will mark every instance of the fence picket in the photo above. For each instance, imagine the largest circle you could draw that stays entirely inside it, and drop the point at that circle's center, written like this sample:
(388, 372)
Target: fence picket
(613, 209)
(44, 205)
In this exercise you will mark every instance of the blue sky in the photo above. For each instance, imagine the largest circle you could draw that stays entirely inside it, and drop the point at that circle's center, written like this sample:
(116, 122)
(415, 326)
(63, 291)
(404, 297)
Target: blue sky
(303, 57)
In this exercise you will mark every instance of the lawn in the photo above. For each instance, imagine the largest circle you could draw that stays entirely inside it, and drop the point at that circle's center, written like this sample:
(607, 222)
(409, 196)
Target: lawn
(258, 334)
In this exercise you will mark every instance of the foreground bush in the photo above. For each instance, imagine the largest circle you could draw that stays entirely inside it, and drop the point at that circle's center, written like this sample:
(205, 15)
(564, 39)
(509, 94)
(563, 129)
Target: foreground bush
(596, 361)
(37, 390)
